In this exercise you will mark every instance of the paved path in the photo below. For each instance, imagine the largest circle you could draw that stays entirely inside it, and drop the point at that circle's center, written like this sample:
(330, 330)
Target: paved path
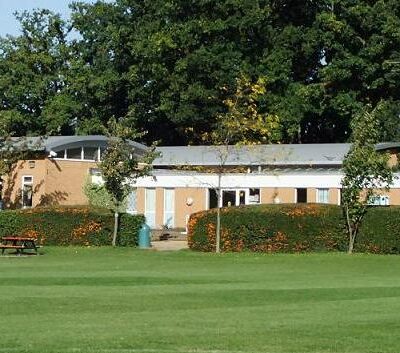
(169, 245)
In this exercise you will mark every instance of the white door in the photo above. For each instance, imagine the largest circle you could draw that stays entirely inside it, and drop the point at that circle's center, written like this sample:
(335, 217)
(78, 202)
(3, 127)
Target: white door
(169, 208)
(150, 207)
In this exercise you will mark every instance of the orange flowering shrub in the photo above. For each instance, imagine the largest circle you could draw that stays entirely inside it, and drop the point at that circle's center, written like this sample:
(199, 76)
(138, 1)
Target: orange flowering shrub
(294, 228)
(269, 228)
(70, 226)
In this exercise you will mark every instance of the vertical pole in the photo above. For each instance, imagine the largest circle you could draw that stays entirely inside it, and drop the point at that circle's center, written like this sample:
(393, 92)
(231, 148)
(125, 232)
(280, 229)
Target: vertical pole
(218, 228)
(114, 240)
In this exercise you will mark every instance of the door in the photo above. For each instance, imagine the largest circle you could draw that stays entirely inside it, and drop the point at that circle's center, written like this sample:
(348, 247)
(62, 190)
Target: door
(228, 198)
(169, 208)
(150, 207)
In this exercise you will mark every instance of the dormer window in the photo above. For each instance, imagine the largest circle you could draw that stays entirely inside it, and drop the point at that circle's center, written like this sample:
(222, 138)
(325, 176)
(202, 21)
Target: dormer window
(90, 153)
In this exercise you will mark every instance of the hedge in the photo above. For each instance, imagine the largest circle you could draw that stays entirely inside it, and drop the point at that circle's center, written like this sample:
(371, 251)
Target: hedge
(70, 226)
(293, 228)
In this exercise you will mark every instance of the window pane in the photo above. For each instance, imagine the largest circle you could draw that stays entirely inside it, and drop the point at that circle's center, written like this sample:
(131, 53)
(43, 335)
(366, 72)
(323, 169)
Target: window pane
(150, 209)
(74, 153)
(90, 153)
(131, 206)
(379, 201)
(27, 179)
(323, 195)
(27, 193)
(254, 196)
(169, 207)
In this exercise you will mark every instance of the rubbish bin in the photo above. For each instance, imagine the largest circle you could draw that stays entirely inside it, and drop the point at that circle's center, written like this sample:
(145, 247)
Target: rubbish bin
(144, 237)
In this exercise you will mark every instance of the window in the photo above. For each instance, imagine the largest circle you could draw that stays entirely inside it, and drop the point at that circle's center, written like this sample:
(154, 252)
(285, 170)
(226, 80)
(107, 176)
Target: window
(322, 195)
(150, 207)
(131, 206)
(91, 153)
(74, 153)
(301, 195)
(169, 208)
(27, 191)
(379, 200)
(254, 196)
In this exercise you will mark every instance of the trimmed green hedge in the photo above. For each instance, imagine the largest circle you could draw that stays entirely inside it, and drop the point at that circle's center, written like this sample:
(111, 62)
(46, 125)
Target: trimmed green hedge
(294, 228)
(70, 226)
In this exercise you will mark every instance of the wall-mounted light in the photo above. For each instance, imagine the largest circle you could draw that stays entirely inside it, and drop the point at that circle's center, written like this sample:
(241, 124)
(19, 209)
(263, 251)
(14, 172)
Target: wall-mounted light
(31, 164)
(189, 201)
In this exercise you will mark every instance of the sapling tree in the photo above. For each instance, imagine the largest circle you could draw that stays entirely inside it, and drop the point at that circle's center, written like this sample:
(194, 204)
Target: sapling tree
(121, 164)
(366, 171)
(243, 123)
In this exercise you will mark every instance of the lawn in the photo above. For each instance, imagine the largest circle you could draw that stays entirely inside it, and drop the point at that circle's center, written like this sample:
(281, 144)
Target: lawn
(122, 300)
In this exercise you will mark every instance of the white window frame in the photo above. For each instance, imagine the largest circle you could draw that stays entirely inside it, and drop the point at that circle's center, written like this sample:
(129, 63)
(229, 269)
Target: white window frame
(170, 212)
(130, 211)
(64, 157)
(380, 200)
(317, 194)
(23, 184)
(155, 207)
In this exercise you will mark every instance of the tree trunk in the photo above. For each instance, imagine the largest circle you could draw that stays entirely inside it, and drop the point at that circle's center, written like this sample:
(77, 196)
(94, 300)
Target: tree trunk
(351, 245)
(114, 240)
(351, 230)
(218, 227)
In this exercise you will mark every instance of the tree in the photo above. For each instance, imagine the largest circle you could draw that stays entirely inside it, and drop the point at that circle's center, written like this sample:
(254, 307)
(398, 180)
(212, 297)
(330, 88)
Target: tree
(243, 123)
(120, 165)
(365, 172)
(360, 43)
(33, 70)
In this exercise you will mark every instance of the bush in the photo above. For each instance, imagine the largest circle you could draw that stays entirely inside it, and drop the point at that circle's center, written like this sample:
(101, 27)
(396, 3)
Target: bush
(70, 226)
(293, 228)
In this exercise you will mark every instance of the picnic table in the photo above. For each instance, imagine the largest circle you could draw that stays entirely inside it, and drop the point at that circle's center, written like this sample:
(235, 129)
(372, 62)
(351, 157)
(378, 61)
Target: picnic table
(19, 244)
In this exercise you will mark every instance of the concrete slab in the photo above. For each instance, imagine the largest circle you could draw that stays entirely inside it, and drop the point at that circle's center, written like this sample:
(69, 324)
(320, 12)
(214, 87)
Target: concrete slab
(169, 245)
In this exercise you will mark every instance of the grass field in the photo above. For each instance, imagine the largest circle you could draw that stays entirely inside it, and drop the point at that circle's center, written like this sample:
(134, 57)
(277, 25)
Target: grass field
(122, 300)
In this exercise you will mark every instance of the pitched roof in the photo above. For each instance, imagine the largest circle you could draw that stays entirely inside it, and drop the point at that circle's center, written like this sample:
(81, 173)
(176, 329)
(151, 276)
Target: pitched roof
(274, 155)
(56, 142)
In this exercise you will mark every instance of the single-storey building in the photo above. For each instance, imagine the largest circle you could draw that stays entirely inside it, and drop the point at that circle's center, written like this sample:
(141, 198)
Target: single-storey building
(184, 179)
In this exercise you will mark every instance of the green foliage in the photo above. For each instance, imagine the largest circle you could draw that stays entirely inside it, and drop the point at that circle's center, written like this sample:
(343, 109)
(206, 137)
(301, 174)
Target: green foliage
(121, 163)
(294, 228)
(365, 172)
(70, 226)
(161, 64)
(270, 228)
(244, 121)
(98, 196)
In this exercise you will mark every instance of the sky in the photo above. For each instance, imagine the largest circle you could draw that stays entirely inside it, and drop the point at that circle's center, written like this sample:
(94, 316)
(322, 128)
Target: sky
(8, 23)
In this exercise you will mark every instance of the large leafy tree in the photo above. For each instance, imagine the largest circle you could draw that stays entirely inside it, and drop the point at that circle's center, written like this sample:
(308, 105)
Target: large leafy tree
(33, 70)
(161, 64)
(360, 41)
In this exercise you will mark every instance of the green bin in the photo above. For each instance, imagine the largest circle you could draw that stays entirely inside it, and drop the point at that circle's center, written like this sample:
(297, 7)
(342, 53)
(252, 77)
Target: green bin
(144, 237)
